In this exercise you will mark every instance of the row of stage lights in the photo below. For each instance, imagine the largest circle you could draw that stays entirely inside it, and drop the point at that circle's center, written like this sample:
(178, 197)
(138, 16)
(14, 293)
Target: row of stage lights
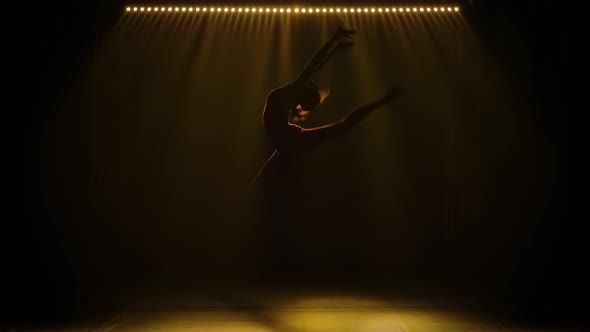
(294, 10)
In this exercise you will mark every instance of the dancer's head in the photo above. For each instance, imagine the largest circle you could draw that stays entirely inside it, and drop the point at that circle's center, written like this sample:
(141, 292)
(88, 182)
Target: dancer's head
(311, 96)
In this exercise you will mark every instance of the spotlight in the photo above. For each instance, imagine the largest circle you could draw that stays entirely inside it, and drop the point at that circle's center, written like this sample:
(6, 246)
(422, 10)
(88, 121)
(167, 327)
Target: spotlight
(442, 9)
(176, 9)
(260, 10)
(310, 10)
(303, 10)
(331, 10)
(128, 9)
(225, 9)
(247, 10)
(358, 10)
(345, 10)
(233, 10)
(156, 9)
(204, 9)
(435, 9)
(407, 10)
(240, 10)
(428, 9)
(394, 10)
(366, 10)
(254, 10)
(380, 10)
(456, 9)
(281, 10)
(324, 10)
(169, 9)
(317, 10)
(163, 9)
(449, 9)
(274, 10)
(141, 9)
(183, 9)
(288, 10)
(218, 10)
(387, 10)
(268, 10)
(338, 10)
(297, 10)
(421, 10)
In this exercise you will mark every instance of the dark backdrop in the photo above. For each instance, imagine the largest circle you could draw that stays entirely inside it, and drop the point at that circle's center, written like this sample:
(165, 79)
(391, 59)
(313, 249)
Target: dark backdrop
(504, 218)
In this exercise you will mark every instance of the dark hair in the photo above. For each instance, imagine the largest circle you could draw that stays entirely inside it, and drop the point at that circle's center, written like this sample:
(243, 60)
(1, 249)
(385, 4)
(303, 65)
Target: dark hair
(310, 97)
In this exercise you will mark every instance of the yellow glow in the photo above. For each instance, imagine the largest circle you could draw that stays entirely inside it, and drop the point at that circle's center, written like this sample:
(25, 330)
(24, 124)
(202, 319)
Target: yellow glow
(176, 9)
(260, 10)
(380, 10)
(141, 9)
(233, 10)
(442, 9)
(358, 10)
(394, 10)
(268, 10)
(240, 9)
(169, 9)
(456, 9)
(183, 9)
(303, 10)
(449, 9)
(288, 10)
(163, 9)
(254, 10)
(331, 10)
(128, 9)
(225, 10)
(205, 9)
(435, 9)
(274, 10)
(310, 10)
(317, 10)
(219, 9)
(156, 9)
(281, 10)
(345, 10)
(421, 9)
(408, 10)
(387, 10)
(324, 10)
(428, 9)
(297, 10)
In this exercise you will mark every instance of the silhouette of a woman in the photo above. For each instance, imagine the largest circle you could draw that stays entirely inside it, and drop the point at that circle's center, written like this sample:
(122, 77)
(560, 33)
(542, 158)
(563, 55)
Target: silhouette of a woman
(296, 100)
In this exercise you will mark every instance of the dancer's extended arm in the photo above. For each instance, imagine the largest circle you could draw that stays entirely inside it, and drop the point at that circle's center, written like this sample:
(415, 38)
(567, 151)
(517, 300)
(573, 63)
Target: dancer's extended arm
(314, 136)
(321, 57)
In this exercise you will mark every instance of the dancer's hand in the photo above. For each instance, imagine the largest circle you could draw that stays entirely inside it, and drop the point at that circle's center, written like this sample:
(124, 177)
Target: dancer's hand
(344, 33)
(393, 93)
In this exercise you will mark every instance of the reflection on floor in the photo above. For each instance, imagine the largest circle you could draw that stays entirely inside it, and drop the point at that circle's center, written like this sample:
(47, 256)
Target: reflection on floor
(292, 312)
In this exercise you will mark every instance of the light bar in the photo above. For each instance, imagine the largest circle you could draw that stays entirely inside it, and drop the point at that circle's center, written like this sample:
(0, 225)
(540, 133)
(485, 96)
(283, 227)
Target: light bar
(285, 10)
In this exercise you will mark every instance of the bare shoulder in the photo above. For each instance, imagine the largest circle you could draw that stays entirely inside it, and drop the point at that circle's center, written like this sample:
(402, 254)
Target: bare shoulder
(280, 94)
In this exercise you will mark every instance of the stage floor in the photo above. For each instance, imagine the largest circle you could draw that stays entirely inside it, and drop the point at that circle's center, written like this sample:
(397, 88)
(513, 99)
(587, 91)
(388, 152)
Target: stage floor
(293, 310)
